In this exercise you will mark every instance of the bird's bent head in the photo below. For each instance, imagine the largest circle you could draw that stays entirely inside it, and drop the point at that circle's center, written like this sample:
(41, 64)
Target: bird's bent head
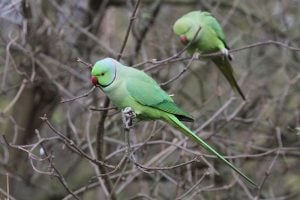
(104, 72)
(182, 28)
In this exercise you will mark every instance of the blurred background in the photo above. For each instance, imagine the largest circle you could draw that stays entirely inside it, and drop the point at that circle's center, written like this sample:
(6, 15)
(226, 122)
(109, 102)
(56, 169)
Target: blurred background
(50, 150)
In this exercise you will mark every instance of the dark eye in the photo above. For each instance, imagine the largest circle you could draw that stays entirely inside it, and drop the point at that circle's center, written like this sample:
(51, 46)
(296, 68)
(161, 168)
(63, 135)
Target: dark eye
(102, 74)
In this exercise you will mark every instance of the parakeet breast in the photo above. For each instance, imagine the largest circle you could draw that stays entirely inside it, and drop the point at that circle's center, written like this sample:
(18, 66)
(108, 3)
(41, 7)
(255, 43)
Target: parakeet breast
(118, 93)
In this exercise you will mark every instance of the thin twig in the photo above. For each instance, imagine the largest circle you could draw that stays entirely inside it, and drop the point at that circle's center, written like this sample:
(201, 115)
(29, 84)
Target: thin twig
(93, 155)
(73, 147)
(102, 109)
(267, 174)
(168, 167)
(5, 194)
(126, 133)
(268, 171)
(178, 75)
(7, 58)
(132, 18)
(162, 155)
(164, 61)
(89, 65)
(80, 96)
(84, 31)
(82, 189)
(147, 24)
(7, 186)
(194, 186)
(215, 115)
(175, 57)
(257, 44)
(12, 103)
(58, 174)
(100, 148)
(48, 157)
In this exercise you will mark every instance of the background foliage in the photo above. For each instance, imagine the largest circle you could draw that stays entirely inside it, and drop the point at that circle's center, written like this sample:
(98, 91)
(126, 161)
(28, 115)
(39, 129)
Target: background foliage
(40, 41)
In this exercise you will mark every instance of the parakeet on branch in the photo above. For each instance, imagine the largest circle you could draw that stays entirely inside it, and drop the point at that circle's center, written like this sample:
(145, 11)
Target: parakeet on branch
(128, 87)
(210, 39)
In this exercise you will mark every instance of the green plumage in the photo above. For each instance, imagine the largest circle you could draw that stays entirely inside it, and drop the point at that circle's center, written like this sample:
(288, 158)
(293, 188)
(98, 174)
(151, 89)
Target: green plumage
(161, 100)
(129, 87)
(210, 39)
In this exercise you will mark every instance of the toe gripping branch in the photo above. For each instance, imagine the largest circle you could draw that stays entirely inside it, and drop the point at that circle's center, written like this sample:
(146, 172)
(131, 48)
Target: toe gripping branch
(128, 118)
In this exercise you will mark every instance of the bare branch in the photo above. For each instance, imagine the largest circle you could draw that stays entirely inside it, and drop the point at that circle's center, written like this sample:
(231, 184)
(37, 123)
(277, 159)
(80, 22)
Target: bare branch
(81, 96)
(73, 147)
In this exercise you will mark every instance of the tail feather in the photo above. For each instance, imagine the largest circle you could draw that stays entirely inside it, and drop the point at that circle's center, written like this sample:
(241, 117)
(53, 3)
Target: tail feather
(224, 65)
(179, 125)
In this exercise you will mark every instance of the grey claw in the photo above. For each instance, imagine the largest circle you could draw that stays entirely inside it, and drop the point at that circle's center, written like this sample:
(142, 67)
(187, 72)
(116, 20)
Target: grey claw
(128, 117)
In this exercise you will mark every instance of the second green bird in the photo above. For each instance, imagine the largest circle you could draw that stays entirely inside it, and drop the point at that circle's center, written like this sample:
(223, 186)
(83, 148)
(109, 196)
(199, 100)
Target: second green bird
(127, 87)
(210, 39)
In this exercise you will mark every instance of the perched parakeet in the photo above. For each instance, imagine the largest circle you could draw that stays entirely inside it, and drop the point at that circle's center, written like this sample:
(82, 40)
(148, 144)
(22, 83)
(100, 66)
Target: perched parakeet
(210, 39)
(128, 87)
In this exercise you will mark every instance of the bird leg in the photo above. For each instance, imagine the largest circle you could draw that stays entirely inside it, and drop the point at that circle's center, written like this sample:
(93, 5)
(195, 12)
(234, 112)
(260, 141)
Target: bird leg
(128, 117)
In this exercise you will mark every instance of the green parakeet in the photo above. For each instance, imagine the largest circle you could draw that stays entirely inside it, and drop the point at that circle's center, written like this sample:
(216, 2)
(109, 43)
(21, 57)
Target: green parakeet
(210, 39)
(128, 87)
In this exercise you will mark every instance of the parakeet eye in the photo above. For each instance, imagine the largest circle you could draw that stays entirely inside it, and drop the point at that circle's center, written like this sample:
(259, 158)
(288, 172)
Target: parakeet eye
(183, 39)
(94, 80)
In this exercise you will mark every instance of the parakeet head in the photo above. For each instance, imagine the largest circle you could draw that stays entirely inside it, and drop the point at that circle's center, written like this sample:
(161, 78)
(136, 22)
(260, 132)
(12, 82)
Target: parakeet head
(104, 72)
(181, 28)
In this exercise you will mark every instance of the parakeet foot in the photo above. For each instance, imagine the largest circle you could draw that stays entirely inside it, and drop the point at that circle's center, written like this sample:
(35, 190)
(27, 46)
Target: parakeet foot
(128, 117)
(226, 54)
(196, 56)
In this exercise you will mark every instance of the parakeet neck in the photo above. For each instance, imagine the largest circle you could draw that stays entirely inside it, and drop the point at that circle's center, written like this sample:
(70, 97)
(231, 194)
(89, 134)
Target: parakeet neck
(114, 75)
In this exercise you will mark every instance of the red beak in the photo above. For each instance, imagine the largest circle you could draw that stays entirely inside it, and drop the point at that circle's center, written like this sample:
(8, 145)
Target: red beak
(183, 39)
(94, 80)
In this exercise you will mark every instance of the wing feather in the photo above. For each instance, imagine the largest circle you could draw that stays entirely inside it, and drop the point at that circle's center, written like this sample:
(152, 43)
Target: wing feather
(148, 93)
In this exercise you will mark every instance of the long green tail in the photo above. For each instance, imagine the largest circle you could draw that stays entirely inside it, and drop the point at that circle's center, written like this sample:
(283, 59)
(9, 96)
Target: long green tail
(179, 125)
(224, 65)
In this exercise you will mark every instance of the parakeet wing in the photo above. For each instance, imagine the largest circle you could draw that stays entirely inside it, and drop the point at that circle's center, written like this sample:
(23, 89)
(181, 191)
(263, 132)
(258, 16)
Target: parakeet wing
(150, 94)
(211, 21)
